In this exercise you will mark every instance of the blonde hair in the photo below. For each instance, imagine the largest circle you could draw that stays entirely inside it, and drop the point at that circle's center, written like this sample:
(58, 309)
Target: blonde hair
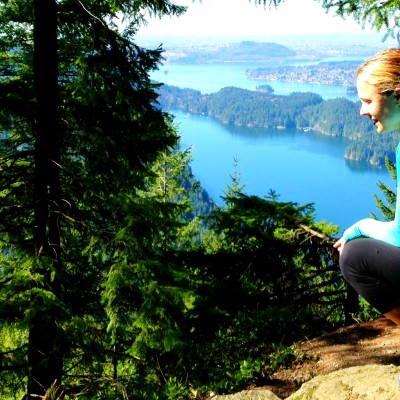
(382, 70)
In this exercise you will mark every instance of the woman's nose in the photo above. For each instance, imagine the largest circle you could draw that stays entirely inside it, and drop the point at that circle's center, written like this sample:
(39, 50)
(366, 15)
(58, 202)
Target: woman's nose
(364, 109)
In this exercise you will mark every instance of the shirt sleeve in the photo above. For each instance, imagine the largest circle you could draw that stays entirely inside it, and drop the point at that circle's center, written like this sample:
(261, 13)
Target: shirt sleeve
(387, 231)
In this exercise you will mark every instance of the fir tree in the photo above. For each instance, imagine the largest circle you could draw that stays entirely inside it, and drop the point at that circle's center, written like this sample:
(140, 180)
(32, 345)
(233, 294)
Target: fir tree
(79, 131)
(387, 207)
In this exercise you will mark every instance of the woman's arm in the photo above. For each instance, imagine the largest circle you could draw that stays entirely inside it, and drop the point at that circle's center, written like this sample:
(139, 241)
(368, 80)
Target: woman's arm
(388, 232)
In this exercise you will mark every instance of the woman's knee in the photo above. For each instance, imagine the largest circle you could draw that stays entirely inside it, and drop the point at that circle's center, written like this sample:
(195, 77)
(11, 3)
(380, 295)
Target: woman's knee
(352, 259)
(366, 264)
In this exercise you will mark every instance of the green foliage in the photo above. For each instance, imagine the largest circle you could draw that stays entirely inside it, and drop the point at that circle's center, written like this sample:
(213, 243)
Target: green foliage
(374, 13)
(175, 390)
(247, 369)
(242, 107)
(381, 16)
(265, 88)
(264, 281)
(387, 206)
(366, 312)
(12, 353)
(74, 239)
(281, 356)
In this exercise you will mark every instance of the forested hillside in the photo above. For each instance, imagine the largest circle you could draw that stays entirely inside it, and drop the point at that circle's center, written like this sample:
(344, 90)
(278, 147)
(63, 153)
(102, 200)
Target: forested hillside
(231, 52)
(337, 117)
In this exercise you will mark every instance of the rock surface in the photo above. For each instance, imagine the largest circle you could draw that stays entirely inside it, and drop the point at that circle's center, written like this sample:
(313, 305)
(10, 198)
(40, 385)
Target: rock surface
(249, 395)
(360, 361)
(368, 382)
(374, 342)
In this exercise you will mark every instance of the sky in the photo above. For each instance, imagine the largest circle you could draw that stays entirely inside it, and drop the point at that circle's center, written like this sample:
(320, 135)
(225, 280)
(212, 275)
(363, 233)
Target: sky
(243, 17)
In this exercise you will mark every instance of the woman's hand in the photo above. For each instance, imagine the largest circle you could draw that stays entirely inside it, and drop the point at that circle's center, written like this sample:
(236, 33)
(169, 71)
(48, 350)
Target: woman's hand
(339, 245)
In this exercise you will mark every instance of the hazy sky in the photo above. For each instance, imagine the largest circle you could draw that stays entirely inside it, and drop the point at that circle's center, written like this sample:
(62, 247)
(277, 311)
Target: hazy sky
(243, 17)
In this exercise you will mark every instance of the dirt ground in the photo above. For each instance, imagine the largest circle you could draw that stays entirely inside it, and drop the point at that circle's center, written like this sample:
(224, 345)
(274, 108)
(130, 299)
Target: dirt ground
(374, 342)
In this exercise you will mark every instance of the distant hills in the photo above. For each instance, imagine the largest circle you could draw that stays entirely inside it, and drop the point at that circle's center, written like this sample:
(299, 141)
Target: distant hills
(259, 48)
(232, 52)
(297, 48)
(256, 50)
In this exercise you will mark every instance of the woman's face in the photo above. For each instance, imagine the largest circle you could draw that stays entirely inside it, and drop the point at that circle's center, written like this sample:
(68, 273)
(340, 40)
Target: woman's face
(382, 108)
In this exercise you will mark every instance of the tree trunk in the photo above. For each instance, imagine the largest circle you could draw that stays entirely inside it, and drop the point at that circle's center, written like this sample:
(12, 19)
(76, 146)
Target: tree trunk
(45, 350)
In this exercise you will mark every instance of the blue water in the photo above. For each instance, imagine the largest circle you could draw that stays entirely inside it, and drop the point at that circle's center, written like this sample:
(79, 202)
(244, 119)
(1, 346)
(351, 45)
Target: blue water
(301, 167)
(210, 78)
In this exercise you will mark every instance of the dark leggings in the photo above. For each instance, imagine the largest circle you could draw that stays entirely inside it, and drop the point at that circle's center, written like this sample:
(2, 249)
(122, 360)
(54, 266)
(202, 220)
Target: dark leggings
(372, 267)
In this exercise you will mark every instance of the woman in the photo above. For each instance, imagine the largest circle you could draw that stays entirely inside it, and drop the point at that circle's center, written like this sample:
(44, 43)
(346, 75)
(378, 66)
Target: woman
(369, 249)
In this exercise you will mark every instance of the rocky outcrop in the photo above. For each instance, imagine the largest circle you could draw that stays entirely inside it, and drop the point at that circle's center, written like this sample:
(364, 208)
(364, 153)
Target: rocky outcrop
(368, 382)
(248, 395)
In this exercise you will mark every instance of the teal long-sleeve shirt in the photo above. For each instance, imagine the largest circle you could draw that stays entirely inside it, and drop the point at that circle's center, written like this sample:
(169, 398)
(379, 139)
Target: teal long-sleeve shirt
(389, 232)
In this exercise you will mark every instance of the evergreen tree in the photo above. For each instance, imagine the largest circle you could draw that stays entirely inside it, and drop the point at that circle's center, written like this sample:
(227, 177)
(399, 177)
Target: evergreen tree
(373, 12)
(379, 15)
(387, 207)
(267, 275)
(79, 131)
